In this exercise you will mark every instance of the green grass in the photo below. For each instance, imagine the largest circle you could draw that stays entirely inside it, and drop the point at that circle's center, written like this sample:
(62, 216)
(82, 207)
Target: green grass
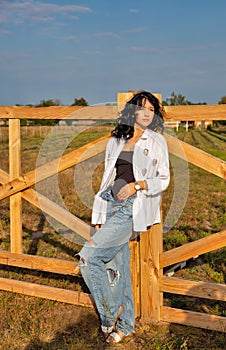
(29, 323)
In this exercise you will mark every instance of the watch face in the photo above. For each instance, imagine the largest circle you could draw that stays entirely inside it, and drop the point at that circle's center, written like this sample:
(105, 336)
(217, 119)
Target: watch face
(137, 187)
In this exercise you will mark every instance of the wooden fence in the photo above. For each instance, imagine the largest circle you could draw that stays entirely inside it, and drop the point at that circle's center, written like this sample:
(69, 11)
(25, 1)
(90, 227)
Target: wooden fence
(147, 256)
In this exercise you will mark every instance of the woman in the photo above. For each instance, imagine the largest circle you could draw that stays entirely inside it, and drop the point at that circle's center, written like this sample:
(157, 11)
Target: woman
(136, 172)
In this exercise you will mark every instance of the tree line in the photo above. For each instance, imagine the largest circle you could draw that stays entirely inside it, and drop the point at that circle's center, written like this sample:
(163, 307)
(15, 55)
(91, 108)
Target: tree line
(50, 102)
(173, 100)
(180, 100)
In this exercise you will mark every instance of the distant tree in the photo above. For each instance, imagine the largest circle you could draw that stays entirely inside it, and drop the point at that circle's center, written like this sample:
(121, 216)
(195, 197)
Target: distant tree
(44, 121)
(48, 103)
(176, 100)
(80, 102)
(179, 100)
(222, 100)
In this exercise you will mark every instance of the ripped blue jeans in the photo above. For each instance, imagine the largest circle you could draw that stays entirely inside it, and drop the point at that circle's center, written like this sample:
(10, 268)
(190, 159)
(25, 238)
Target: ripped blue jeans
(105, 266)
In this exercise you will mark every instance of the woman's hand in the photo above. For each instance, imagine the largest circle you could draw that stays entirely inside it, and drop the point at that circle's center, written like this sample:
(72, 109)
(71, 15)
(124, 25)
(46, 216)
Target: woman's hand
(98, 226)
(126, 191)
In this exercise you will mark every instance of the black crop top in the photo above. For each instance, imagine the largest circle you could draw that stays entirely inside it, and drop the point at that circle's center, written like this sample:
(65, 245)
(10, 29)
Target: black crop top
(124, 171)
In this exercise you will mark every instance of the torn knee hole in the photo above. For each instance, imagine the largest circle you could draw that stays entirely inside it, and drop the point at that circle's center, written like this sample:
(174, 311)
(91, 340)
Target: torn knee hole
(91, 242)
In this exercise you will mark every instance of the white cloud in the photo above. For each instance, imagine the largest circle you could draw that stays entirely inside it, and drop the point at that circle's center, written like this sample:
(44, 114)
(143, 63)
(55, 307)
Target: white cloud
(70, 37)
(135, 30)
(93, 52)
(21, 11)
(108, 34)
(4, 32)
(143, 49)
(69, 58)
(133, 10)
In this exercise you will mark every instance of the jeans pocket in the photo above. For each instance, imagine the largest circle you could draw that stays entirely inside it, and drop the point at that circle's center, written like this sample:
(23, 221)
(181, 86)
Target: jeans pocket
(106, 194)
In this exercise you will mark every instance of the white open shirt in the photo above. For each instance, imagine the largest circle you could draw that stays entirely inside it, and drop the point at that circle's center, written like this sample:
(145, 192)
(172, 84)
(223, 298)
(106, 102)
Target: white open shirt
(150, 163)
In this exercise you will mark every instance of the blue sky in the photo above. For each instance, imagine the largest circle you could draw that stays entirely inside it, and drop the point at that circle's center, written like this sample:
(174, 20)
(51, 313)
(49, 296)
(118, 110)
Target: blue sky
(93, 49)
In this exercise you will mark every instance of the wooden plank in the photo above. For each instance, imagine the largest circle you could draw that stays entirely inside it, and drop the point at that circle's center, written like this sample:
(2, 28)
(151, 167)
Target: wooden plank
(151, 297)
(193, 288)
(196, 156)
(189, 250)
(35, 262)
(135, 274)
(60, 112)
(15, 200)
(195, 112)
(56, 166)
(51, 293)
(174, 113)
(62, 215)
(194, 319)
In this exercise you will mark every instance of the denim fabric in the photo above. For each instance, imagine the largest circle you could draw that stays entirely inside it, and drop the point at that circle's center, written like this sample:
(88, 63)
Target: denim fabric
(117, 229)
(105, 266)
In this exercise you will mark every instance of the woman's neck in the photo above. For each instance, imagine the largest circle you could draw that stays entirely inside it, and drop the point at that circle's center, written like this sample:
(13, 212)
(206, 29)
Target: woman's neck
(137, 133)
(130, 144)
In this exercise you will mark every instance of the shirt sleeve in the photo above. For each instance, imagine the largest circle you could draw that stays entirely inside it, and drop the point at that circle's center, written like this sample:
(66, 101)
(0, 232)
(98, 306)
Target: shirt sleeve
(100, 205)
(99, 211)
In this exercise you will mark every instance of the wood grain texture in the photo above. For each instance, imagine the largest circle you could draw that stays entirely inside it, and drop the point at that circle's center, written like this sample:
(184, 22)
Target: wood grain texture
(15, 200)
(194, 319)
(41, 291)
(189, 250)
(196, 156)
(38, 263)
(150, 249)
(173, 113)
(135, 275)
(193, 288)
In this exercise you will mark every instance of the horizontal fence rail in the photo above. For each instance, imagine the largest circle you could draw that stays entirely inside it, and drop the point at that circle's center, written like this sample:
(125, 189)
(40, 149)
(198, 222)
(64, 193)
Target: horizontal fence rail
(187, 251)
(173, 113)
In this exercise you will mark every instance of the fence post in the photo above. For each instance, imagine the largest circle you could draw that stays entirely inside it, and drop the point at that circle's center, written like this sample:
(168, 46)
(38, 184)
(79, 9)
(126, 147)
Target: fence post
(151, 298)
(135, 273)
(15, 200)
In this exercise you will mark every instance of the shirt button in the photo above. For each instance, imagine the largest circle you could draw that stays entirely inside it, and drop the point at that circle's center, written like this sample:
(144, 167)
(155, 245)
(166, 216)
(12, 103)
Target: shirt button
(144, 170)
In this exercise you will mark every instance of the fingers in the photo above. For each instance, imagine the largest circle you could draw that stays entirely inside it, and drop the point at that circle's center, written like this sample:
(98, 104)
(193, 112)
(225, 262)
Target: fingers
(125, 192)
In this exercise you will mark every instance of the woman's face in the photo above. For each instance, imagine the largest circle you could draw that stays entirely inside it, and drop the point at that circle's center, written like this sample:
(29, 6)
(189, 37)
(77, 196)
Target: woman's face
(145, 115)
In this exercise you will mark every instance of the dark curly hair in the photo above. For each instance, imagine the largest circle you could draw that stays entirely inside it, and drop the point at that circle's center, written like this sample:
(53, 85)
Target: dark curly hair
(127, 117)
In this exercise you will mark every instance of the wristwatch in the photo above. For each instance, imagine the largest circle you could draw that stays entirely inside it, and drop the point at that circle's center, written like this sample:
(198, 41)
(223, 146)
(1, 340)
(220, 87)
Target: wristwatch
(137, 187)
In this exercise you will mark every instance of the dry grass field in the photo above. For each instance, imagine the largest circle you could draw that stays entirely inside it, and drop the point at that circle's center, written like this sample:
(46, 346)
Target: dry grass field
(29, 323)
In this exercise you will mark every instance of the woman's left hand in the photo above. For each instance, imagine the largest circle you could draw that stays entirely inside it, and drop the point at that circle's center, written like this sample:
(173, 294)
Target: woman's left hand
(126, 191)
